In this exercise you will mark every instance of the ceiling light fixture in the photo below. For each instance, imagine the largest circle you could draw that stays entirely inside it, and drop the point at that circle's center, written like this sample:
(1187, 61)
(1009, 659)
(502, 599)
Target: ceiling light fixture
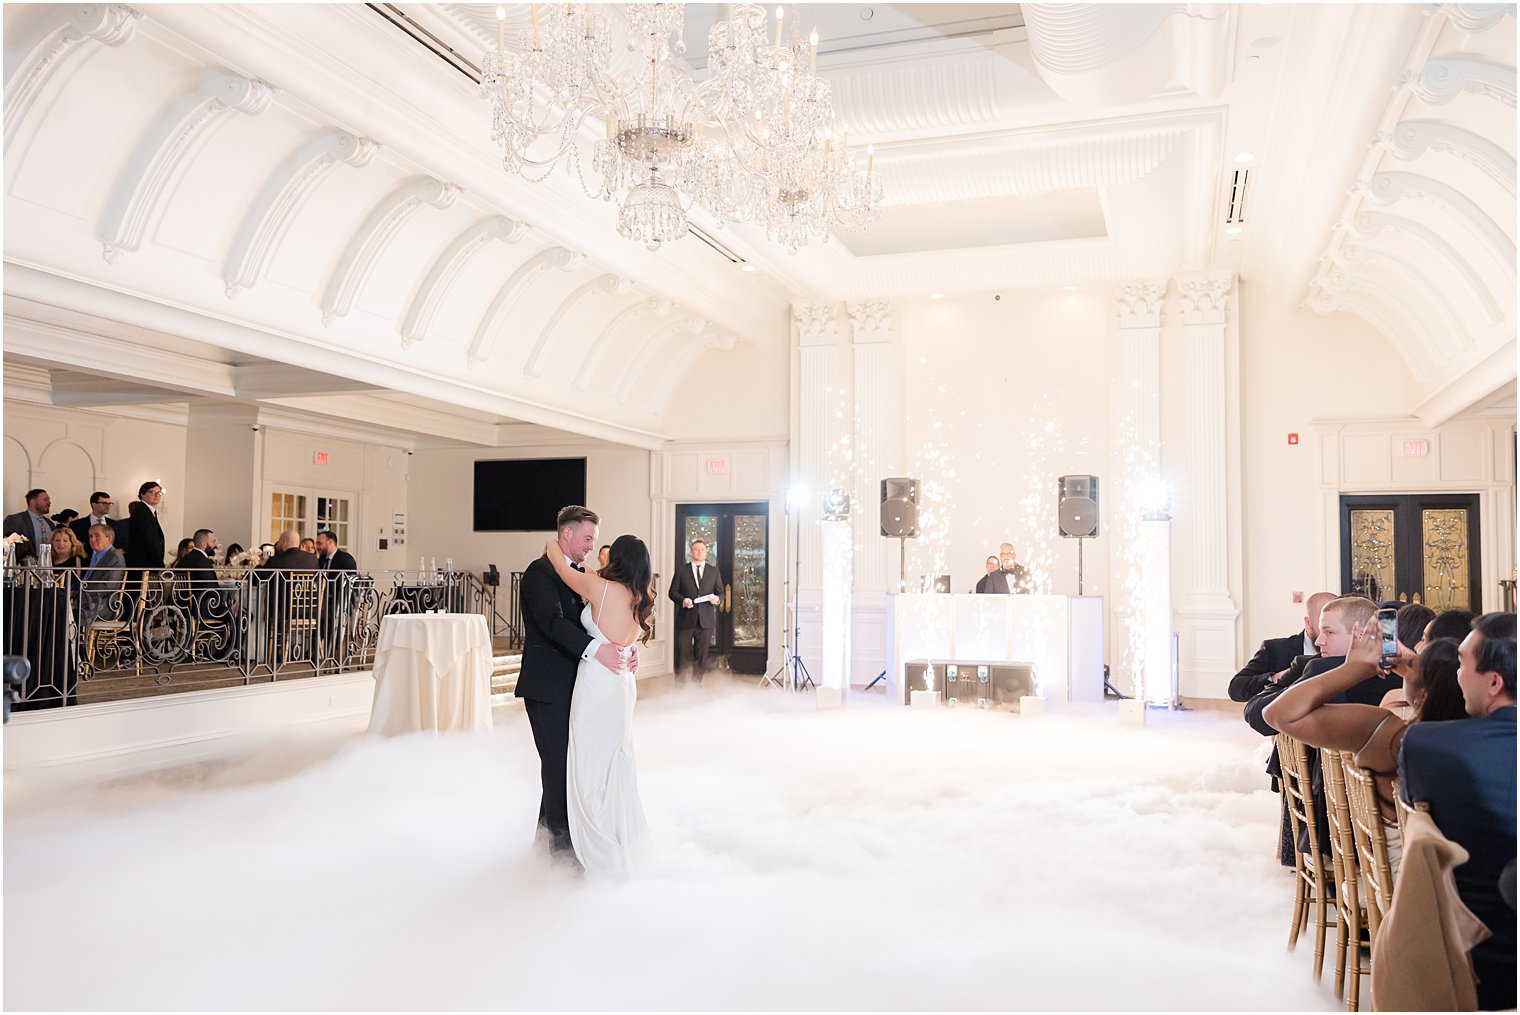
(746, 267)
(756, 141)
(1244, 157)
(1068, 288)
(1234, 231)
(936, 296)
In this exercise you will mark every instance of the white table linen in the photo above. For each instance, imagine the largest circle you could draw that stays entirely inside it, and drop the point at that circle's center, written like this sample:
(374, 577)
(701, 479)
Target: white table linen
(432, 672)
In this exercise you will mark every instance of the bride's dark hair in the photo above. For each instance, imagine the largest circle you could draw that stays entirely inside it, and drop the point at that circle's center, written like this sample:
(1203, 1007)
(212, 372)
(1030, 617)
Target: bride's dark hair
(628, 565)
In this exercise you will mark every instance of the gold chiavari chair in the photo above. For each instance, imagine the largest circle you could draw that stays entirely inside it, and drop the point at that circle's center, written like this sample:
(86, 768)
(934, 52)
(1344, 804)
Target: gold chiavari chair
(1352, 917)
(1311, 888)
(105, 640)
(302, 621)
(1371, 834)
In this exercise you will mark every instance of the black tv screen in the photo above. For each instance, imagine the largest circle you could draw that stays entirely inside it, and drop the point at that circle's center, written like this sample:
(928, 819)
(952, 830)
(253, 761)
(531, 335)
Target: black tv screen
(525, 494)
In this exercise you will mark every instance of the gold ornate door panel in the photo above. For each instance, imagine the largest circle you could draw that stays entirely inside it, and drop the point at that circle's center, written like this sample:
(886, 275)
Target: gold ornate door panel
(1420, 548)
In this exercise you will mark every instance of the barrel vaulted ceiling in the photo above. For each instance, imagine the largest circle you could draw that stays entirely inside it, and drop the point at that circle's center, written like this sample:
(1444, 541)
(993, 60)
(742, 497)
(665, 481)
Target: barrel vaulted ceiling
(310, 191)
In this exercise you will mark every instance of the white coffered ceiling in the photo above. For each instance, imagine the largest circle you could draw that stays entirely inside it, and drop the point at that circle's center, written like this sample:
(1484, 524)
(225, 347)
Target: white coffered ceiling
(313, 185)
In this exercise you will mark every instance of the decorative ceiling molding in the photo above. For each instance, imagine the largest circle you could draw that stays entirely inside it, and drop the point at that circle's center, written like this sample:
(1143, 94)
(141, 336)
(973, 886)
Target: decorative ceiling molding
(1413, 138)
(1472, 18)
(1326, 302)
(563, 258)
(1077, 38)
(417, 320)
(1138, 304)
(164, 148)
(610, 284)
(1418, 330)
(674, 373)
(1204, 298)
(931, 94)
(1008, 168)
(1353, 255)
(656, 305)
(56, 48)
(1110, 52)
(281, 197)
(1370, 224)
(374, 234)
(1443, 79)
(1386, 188)
(642, 358)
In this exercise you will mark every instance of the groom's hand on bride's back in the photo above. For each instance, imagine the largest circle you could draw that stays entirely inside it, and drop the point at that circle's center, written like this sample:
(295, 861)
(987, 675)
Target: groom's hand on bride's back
(608, 655)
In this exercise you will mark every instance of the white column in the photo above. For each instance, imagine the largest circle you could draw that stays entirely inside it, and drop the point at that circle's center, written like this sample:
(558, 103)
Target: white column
(817, 328)
(1134, 466)
(1206, 615)
(875, 445)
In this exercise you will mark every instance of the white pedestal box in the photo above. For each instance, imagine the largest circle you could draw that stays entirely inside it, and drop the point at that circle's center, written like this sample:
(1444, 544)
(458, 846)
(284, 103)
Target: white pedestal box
(1032, 707)
(925, 699)
(1132, 713)
(829, 697)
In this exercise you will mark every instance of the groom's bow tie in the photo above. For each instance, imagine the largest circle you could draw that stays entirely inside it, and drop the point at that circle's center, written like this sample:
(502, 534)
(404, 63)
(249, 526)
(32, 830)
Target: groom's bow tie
(579, 567)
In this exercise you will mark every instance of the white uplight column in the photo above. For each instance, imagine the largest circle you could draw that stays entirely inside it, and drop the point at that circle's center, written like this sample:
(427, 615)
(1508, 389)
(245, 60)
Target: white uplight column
(817, 328)
(1206, 614)
(837, 550)
(1136, 568)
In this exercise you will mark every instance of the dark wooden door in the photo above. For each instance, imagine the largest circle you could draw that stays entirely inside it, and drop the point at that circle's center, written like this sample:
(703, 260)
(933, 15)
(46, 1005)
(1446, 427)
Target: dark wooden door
(1416, 548)
(736, 537)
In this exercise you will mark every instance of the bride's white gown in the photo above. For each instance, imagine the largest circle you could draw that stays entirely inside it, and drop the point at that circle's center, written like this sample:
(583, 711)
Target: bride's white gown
(607, 824)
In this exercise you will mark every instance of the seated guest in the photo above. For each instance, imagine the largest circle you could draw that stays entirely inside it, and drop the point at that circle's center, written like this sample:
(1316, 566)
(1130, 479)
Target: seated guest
(1273, 659)
(603, 554)
(105, 560)
(289, 556)
(985, 583)
(330, 557)
(1336, 621)
(65, 517)
(100, 511)
(1465, 772)
(234, 551)
(185, 546)
(33, 524)
(309, 545)
(1413, 621)
(197, 558)
(66, 549)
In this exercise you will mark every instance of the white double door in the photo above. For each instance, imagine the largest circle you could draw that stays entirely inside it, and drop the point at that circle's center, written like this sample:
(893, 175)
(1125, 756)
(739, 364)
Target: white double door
(308, 510)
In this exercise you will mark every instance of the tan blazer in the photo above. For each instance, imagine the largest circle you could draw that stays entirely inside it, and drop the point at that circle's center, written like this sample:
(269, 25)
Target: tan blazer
(1420, 958)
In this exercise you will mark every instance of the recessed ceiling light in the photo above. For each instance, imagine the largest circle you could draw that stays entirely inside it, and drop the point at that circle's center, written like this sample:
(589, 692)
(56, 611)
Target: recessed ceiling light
(746, 267)
(1068, 288)
(1265, 42)
(936, 296)
(1246, 157)
(1234, 231)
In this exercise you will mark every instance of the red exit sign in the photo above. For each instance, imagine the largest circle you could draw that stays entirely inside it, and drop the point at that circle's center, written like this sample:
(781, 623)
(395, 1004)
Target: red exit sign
(1416, 448)
(717, 466)
(319, 457)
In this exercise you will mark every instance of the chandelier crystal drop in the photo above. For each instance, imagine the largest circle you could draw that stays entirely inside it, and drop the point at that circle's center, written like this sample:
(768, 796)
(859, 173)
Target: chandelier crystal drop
(755, 141)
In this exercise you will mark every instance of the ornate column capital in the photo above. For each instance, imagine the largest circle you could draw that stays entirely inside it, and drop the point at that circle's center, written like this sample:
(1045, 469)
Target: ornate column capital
(871, 321)
(816, 321)
(1204, 296)
(1138, 304)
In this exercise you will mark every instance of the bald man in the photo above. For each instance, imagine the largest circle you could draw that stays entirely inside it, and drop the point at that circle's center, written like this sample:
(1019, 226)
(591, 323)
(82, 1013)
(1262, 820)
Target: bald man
(1273, 660)
(289, 556)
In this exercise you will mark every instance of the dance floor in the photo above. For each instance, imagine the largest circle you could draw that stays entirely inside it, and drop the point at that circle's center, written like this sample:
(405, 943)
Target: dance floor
(875, 857)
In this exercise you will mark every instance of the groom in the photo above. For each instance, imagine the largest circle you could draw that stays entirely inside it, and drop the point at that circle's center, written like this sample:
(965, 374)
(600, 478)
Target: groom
(554, 644)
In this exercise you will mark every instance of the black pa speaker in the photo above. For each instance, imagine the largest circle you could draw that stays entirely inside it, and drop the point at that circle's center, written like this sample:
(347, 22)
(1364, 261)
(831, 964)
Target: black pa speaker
(1077, 508)
(899, 508)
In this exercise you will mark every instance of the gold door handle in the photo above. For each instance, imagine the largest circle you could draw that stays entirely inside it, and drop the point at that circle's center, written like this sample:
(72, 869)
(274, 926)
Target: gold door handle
(728, 598)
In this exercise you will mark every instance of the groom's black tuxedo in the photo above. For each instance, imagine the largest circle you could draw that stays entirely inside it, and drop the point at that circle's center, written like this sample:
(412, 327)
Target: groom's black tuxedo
(553, 641)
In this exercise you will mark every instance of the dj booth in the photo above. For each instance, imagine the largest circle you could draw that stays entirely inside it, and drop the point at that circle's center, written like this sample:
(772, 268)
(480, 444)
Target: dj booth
(989, 650)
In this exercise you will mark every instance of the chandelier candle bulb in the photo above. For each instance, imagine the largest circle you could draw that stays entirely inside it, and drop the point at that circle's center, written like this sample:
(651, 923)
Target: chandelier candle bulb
(780, 14)
(501, 29)
(535, 26)
(813, 54)
(870, 159)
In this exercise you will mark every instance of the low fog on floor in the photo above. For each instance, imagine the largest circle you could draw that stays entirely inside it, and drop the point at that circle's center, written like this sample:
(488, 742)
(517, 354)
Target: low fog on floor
(875, 857)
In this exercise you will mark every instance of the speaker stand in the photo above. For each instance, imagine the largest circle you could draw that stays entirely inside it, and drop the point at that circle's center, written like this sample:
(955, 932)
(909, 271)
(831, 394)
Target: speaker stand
(902, 563)
(1080, 585)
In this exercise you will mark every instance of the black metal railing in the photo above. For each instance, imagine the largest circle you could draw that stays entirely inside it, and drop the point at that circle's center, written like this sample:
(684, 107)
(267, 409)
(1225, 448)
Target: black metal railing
(132, 633)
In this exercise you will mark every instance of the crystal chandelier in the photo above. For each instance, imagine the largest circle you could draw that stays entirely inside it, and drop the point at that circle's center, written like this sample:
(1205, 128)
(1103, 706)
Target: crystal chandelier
(755, 141)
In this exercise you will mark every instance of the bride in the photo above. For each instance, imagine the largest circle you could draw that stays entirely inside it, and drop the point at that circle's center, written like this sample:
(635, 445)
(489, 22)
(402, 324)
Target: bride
(607, 824)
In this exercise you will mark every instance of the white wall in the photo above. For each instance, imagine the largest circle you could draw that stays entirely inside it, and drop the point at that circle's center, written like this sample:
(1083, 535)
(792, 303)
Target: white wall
(73, 452)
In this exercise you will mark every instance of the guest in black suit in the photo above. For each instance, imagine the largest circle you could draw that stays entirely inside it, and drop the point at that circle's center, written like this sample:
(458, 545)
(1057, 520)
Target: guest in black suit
(330, 557)
(100, 514)
(1271, 662)
(1337, 619)
(1465, 771)
(696, 589)
(198, 560)
(145, 537)
(985, 584)
(289, 556)
(1014, 578)
(33, 524)
(554, 643)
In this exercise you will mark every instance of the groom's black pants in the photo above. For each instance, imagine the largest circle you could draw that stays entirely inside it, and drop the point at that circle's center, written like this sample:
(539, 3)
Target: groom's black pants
(551, 735)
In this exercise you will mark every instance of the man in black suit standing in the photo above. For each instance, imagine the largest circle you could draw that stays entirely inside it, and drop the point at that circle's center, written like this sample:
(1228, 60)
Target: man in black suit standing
(33, 524)
(1276, 656)
(696, 590)
(554, 643)
(100, 514)
(145, 536)
(1465, 771)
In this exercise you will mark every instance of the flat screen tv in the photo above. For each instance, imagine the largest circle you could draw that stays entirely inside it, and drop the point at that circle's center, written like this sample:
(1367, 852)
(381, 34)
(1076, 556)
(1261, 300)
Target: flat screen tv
(525, 494)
